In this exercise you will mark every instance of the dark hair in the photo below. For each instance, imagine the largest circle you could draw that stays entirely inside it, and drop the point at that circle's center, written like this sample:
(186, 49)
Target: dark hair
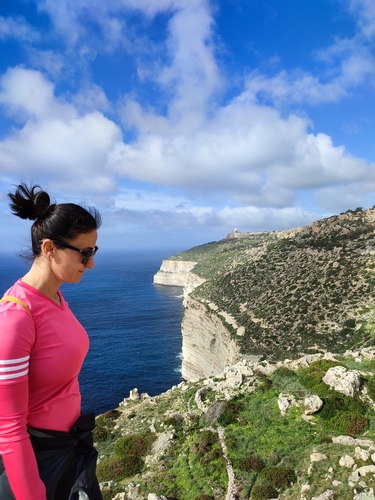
(62, 221)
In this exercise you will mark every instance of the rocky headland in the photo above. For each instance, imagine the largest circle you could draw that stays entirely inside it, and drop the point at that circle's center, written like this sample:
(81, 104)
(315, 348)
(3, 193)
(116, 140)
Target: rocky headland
(276, 294)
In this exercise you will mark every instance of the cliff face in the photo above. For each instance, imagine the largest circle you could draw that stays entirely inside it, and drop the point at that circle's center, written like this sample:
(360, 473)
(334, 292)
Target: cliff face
(207, 346)
(173, 272)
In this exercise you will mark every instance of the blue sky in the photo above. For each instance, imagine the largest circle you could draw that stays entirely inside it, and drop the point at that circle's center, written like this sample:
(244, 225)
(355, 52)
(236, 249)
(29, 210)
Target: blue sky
(181, 120)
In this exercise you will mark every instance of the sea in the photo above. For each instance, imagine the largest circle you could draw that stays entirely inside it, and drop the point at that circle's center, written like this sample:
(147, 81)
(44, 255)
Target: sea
(134, 326)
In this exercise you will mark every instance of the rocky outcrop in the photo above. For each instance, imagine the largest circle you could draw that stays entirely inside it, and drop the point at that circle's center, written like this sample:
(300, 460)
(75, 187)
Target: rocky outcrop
(207, 346)
(173, 272)
(346, 381)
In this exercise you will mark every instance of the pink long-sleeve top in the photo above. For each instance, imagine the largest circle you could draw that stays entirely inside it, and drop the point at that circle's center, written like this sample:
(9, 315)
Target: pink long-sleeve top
(40, 360)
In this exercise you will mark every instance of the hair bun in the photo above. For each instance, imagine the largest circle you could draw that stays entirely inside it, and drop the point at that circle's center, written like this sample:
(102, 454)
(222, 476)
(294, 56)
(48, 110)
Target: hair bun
(41, 203)
(29, 202)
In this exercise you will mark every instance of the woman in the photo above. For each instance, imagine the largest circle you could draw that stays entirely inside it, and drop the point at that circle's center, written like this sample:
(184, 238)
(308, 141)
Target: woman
(42, 348)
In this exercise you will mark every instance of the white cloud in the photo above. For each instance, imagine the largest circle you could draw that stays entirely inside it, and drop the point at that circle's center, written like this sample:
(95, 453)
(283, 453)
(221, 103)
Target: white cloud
(26, 94)
(365, 10)
(261, 159)
(18, 28)
(55, 141)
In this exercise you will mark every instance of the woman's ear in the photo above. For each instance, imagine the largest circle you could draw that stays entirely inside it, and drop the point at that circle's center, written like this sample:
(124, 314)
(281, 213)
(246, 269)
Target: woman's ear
(48, 248)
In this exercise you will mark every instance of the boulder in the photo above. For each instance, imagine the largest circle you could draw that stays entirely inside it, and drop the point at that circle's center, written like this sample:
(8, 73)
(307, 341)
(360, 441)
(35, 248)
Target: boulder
(342, 380)
(134, 394)
(347, 461)
(361, 454)
(359, 473)
(285, 402)
(312, 404)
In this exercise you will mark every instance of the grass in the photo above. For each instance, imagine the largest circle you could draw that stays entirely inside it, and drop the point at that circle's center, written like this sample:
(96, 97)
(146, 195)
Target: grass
(268, 452)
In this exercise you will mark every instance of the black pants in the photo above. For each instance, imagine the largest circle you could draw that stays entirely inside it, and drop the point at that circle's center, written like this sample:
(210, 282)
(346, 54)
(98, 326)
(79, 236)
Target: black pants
(5, 491)
(66, 462)
(62, 490)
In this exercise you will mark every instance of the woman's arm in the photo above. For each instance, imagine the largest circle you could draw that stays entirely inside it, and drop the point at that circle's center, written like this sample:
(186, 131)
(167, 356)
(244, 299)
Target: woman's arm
(16, 341)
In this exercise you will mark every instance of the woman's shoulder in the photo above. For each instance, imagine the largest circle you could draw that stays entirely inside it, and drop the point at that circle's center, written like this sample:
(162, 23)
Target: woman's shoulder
(15, 298)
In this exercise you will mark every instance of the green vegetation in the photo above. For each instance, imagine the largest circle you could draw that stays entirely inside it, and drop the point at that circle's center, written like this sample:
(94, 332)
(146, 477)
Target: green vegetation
(269, 452)
(295, 289)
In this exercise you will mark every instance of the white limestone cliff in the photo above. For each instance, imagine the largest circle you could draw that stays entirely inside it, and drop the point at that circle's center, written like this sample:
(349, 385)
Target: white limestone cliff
(207, 346)
(173, 272)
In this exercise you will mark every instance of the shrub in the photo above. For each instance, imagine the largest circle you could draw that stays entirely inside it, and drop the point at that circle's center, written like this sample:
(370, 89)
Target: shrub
(284, 371)
(229, 413)
(336, 402)
(131, 450)
(210, 456)
(349, 423)
(104, 425)
(136, 445)
(278, 477)
(249, 464)
(176, 421)
(205, 441)
(110, 468)
(101, 434)
(264, 383)
(263, 492)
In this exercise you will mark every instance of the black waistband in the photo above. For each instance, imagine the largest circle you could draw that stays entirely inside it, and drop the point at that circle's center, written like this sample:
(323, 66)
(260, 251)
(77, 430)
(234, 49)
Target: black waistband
(80, 434)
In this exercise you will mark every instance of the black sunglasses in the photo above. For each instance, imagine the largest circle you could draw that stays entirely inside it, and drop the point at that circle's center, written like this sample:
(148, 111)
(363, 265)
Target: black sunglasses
(87, 254)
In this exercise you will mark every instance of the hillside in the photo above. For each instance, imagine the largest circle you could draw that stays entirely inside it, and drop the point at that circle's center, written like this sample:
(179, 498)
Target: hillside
(295, 430)
(260, 427)
(296, 291)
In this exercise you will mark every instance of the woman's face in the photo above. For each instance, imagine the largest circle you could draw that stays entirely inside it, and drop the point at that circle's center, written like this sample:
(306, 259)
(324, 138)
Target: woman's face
(67, 264)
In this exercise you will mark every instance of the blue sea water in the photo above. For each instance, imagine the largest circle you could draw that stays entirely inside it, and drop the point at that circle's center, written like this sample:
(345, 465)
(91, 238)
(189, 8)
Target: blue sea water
(134, 326)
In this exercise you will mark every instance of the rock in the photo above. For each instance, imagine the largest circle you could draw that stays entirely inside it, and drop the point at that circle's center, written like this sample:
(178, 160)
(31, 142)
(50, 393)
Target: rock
(342, 380)
(207, 345)
(361, 454)
(134, 394)
(152, 496)
(317, 457)
(365, 495)
(106, 485)
(359, 473)
(285, 402)
(345, 440)
(132, 491)
(347, 461)
(312, 404)
(336, 483)
(364, 443)
(214, 412)
(327, 495)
